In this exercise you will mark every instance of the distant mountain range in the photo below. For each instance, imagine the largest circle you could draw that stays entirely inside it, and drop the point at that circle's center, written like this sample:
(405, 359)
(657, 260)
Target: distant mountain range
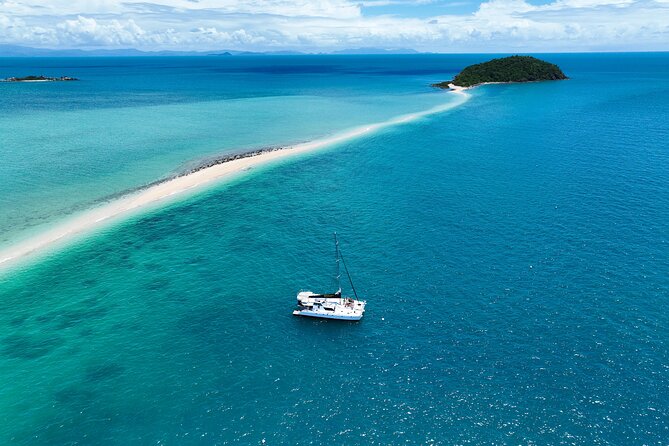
(24, 51)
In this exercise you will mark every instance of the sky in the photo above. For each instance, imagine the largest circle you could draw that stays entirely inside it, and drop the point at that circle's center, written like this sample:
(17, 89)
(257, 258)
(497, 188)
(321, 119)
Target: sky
(447, 26)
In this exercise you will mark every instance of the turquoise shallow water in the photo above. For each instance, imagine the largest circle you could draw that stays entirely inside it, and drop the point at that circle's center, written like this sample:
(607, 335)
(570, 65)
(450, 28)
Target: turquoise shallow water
(513, 252)
(129, 122)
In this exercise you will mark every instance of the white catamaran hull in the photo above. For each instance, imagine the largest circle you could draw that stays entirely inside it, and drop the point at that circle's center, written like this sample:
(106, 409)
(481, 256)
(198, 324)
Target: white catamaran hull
(342, 317)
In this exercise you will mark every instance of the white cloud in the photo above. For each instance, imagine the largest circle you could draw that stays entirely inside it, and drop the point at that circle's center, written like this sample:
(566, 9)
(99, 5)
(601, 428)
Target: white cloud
(376, 3)
(317, 25)
(561, 25)
(89, 32)
(566, 4)
(292, 8)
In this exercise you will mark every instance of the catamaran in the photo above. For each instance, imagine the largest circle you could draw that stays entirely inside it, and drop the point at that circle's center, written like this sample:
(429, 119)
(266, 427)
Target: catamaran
(331, 306)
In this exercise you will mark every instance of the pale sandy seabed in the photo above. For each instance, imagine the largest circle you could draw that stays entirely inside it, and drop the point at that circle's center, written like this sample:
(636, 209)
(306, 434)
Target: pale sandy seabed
(180, 187)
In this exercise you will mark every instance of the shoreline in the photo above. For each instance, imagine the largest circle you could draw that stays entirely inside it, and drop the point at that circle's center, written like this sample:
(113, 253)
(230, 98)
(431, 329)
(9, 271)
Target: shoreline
(27, 79)
(210, 172)
(459, 89)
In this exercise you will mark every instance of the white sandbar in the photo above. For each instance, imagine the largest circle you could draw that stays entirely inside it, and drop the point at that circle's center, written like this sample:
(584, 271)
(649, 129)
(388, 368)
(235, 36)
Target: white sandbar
(125, 206)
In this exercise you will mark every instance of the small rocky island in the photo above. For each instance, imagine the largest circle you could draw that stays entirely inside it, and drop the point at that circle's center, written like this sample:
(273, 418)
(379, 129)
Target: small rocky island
(40, 79)
(506, 70)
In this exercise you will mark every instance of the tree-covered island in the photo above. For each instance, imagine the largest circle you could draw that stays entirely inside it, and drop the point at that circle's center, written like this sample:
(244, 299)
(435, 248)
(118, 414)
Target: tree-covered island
(506, 70)
(40, 79)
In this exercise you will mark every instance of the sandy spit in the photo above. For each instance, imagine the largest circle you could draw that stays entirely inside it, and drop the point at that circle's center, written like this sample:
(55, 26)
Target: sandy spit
(182, 186)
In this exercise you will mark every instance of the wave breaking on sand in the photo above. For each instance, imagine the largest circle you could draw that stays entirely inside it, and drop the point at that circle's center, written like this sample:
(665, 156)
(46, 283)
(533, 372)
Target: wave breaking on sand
(211, 172)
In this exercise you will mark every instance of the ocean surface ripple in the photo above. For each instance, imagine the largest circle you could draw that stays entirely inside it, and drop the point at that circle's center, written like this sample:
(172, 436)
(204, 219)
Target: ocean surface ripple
(513, 253)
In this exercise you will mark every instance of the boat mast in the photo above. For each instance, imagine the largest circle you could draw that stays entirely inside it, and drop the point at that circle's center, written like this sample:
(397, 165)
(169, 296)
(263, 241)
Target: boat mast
(340, 256)
(337, 262)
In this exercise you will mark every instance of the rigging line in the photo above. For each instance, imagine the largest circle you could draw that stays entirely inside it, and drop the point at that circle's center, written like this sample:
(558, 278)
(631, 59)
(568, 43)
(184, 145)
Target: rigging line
(349, 276)
(337, 254)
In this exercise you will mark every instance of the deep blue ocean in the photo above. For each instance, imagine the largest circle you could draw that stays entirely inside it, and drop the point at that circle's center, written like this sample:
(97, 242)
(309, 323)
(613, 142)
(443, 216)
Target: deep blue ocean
(514, 253)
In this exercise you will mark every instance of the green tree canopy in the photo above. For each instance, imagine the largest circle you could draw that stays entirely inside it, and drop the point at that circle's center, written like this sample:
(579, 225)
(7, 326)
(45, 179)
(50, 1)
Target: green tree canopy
(508, 69)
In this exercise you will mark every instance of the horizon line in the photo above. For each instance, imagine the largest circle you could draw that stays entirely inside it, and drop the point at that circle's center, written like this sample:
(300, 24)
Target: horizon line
(287, 53)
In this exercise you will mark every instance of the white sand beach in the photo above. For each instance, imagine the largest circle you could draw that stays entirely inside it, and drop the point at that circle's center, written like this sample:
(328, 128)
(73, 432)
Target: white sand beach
(458, 89)
(172, 189)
